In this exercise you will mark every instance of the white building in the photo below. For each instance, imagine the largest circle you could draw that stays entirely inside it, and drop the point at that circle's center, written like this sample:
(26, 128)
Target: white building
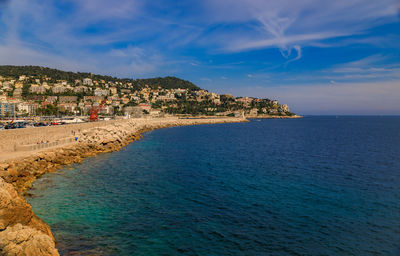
(87, 81)
(26, 108)
(100, 92)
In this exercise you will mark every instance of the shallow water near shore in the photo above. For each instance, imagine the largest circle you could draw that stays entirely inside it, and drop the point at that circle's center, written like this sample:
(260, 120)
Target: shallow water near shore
(312, 186)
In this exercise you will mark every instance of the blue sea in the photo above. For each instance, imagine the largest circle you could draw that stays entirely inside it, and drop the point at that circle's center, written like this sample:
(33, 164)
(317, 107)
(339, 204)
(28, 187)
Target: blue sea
(312, 186)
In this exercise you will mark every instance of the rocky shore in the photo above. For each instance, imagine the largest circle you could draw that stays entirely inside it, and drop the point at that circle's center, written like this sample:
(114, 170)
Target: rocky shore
(21, 231)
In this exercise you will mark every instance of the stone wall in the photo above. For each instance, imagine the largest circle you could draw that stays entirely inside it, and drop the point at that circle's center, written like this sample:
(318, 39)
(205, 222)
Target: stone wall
(12, 139)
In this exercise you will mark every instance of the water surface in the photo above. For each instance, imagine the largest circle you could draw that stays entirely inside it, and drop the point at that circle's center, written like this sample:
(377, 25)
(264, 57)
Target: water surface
(312, 186)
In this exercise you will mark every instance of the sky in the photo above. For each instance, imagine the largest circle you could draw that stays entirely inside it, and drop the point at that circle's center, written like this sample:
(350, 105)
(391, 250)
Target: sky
(319, 56)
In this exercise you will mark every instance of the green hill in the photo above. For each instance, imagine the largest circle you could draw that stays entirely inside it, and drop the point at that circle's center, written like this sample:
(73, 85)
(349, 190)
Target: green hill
(55, 74)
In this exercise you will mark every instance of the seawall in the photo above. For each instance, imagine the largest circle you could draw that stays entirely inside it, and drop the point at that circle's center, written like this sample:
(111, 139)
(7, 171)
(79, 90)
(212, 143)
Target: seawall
(21, 231)
(264, 116)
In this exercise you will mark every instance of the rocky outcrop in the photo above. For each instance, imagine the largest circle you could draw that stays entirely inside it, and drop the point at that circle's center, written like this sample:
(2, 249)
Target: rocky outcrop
(21, 231)
(22, 240)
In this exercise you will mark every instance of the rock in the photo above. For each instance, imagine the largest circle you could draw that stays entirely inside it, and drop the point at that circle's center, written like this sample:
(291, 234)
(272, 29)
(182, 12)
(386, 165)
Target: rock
(3, 166)
(20, 240)
(14, 209)
(21, 231)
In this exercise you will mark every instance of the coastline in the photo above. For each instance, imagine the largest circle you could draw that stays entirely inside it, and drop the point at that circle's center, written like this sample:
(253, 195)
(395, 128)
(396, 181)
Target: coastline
(272, 117)
(21, 231)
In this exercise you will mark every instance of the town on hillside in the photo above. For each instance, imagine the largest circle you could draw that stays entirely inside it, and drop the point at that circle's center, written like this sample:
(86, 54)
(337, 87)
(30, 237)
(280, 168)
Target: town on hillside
(31, 91)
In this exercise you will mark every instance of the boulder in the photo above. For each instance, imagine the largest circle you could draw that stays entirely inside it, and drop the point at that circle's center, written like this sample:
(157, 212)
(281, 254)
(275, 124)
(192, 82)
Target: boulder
(14, 209)
(20, 240)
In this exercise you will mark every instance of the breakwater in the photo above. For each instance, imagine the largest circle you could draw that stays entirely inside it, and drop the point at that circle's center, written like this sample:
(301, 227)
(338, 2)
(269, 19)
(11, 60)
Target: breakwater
(265, 116)
(21, 231)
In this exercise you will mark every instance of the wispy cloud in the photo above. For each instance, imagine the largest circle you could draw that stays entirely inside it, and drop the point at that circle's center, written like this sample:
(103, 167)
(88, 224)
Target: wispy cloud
(245, 25)
(371, 67)
(291, 25)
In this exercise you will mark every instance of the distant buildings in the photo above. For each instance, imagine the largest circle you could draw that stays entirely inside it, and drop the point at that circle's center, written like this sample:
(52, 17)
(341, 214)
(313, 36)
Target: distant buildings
(100, 92)
(7, 109)
(28, 95)
(87, 81)
(25, 108)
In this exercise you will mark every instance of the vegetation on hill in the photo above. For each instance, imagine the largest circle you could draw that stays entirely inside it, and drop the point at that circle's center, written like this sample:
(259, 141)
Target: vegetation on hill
(168, 82)
(55, 74)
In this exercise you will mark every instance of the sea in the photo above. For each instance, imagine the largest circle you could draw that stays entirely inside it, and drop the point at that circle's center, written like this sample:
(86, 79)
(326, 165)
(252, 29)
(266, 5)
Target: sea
(321, 185)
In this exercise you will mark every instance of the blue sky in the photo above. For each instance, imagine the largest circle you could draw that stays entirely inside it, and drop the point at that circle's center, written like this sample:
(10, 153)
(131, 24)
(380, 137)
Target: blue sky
(318, 56)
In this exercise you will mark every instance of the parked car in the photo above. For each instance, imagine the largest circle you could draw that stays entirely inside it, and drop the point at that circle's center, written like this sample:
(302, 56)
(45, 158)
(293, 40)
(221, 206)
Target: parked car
(10, 126)
(16, 125)
(40, 124)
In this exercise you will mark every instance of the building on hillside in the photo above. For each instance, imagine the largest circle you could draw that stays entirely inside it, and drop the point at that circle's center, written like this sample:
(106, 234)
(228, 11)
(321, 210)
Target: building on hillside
(36, 88)
(18, 85)
(27, 108)
(51, 99)
(272, 111)
(58, 88)
(7, 86)
(67, 99)
(87, 81)
(113, 90)
(7, 109)
(253, 111)
(125, 100)
(245, 100)
(97, 99)
(36, 97)
(145, 106)
(285, 108)
(216, 101)
(81, 89)
(135, 112)
(100, 92)
(67, 107)
(17, 93)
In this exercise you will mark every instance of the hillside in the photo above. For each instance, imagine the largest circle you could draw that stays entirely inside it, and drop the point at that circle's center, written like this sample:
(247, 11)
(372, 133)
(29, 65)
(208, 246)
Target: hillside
(55, 74)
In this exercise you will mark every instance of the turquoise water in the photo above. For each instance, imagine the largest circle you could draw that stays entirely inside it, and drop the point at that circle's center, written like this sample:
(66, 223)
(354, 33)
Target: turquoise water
(312, 186)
